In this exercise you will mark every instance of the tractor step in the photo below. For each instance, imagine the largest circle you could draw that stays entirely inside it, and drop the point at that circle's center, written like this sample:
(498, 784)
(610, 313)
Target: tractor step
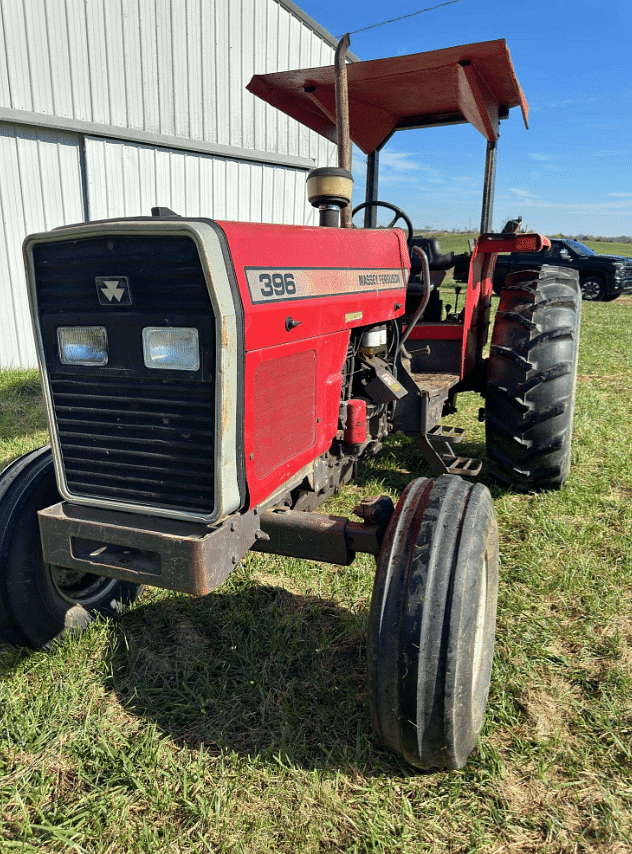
(443, 433)
(436, 446)
(464, 466)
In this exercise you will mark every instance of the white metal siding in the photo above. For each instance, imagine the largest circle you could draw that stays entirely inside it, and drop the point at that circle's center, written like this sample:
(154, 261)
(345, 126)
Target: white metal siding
(175, 67)
(128, 180)
(40, 188)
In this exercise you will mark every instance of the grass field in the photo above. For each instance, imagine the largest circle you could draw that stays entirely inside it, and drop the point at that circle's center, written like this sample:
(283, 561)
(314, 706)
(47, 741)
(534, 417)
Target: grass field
(239, 722)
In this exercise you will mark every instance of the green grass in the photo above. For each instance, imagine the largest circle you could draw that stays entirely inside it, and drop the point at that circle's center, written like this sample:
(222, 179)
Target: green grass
(22, 422)
(239, 723)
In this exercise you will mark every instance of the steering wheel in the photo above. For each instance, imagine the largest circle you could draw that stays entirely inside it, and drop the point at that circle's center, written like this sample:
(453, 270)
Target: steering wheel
(399, 214)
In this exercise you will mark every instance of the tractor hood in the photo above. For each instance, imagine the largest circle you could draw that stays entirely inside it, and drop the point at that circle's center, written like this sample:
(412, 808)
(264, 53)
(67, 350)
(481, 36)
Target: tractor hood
(473, 83)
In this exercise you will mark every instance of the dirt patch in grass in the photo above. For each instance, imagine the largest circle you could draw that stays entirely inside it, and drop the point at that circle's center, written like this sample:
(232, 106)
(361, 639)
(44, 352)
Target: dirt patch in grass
(604, 381)
(618, 638)
(620, 494)
(548, 710)
(550, 812)
(52, 765)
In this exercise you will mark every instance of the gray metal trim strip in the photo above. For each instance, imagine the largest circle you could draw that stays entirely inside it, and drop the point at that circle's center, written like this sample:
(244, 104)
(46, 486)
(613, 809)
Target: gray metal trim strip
(314, 25)
(198, 146)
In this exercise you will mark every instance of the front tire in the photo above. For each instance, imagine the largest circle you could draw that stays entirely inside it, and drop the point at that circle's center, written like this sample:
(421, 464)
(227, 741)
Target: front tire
(532, 373)
(39, 602)
(432, 622)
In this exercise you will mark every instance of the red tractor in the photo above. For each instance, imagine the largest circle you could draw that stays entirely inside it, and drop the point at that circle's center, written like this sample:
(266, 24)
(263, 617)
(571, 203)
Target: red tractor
(209, 384)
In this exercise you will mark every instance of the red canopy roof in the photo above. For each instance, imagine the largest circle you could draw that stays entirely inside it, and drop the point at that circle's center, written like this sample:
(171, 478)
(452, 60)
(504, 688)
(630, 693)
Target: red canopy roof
(470, 83)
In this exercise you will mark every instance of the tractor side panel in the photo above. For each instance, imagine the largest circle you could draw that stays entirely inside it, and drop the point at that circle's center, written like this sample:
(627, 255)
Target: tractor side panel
(315, 280)
(291, 409)
(303, 290)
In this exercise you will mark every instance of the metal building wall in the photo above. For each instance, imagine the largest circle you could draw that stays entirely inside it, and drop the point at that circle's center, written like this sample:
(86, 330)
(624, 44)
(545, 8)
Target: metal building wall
(108, 107)
(125, 179)
(40, 187)
(172, 67)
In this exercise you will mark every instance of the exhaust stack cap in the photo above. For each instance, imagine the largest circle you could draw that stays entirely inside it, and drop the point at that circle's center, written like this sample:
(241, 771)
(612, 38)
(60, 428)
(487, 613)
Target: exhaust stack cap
(329, 186)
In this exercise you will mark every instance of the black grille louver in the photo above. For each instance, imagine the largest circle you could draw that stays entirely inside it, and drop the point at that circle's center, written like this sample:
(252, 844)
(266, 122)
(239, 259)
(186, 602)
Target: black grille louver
(148, 445)
(164, 273)
(127, 433)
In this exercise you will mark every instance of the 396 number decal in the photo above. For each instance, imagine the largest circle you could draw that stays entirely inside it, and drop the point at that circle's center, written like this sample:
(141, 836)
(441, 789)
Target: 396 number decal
(274, 285)
(277, 284)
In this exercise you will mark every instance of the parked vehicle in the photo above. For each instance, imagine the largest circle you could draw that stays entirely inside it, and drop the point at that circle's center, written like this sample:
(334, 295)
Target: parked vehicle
(601, 277)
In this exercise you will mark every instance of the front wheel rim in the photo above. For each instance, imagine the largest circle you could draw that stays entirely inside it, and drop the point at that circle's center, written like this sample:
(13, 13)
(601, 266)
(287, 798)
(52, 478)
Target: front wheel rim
(80, 588)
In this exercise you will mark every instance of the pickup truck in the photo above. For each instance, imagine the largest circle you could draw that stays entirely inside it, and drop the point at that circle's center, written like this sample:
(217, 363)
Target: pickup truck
(601, 277)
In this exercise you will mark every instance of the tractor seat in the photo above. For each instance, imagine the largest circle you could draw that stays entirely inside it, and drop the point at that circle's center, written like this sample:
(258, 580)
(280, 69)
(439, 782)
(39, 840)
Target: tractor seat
(436, 259)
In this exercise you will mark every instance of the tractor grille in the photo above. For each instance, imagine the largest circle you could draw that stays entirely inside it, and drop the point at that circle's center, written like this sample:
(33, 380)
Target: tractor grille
(127, 433)
(149, 444)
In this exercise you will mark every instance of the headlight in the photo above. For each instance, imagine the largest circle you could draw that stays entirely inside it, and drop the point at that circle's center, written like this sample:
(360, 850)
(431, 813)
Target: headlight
(82, 345)
(171, 348)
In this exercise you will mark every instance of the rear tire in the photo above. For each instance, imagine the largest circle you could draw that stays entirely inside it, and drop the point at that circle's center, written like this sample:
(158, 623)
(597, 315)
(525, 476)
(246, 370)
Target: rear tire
(432, 622)
(39, 602)
(532, 373)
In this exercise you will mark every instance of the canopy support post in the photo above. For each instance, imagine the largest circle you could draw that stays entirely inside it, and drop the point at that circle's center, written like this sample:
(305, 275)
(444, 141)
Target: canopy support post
(342, 118)
(372, 169)
(489, 183)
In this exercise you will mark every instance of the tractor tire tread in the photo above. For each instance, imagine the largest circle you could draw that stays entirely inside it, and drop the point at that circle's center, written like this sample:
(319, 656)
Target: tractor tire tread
(509, 399)
(426, 698)
(512, 355)
(531, 381)
(523, 480)
(549, 375)
(538, 417)
(9, 628)
(33, 610)
(517, 317)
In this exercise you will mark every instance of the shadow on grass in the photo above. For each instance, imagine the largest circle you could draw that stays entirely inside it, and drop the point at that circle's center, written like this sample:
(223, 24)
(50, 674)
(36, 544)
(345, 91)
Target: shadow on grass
(260, 671)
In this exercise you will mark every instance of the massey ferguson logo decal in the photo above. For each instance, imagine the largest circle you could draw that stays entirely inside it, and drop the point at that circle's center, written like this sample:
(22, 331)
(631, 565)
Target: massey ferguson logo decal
(268, 285)
(113, 290)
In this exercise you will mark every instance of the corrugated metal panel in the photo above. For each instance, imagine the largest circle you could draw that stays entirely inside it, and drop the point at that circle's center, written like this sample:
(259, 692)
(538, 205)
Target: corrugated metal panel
(128, 180)
(40, 188)
(177, 67)
(172, 67)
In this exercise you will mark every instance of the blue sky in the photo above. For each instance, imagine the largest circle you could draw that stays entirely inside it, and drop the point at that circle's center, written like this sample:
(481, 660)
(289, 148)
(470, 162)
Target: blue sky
(571, 172)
